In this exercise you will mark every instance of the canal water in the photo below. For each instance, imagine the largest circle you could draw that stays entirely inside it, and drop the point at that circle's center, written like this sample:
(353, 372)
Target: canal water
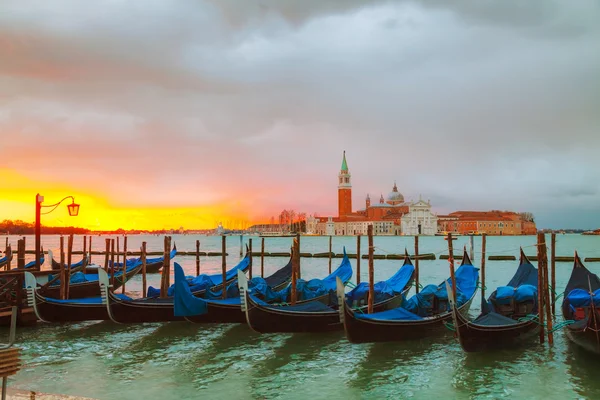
(185, 361)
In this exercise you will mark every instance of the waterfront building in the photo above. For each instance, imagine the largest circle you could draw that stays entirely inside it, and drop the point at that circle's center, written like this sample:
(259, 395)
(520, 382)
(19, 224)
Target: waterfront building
(493, 222)
(392, 215)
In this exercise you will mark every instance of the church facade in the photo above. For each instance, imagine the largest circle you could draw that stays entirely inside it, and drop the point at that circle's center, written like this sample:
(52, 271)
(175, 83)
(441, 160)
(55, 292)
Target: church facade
(392, 215)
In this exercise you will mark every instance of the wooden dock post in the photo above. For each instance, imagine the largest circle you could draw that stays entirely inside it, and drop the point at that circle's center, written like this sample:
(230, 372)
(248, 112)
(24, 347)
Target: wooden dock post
(112, 264)
(84, 255)
(543, 263)
(451, 261)
(241, 245)
(299, 270)
(371, 271)
(330, 254)
(197, 257)
(540, 247)
(295, 261)
(118, 252)
(166, 269)
(106, 254)
(20, 254)
(143, 257)
(62, 272)
(416, 263)
(224, 264)
(68, 266)
(357, 259)
(553, 271)
(124, 268)
(483, 244)
(472, 249)
(90, 254)
(262, 258)
(250, 266)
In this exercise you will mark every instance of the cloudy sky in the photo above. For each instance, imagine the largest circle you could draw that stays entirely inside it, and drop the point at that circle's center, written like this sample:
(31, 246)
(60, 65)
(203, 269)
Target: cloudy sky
(157, 113)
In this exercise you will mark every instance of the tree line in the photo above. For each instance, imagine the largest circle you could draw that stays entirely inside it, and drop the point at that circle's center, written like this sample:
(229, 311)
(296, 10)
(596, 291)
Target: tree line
(19, 227)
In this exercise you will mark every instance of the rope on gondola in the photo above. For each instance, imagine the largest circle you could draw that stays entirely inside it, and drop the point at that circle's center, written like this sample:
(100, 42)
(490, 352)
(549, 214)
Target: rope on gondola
(450, 326)
(561, 325)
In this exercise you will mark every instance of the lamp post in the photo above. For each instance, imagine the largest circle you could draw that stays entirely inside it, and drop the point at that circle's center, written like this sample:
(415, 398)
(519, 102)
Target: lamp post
(73, 212)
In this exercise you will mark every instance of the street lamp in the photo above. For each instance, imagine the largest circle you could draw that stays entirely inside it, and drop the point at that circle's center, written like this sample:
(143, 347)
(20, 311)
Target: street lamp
(73, 212)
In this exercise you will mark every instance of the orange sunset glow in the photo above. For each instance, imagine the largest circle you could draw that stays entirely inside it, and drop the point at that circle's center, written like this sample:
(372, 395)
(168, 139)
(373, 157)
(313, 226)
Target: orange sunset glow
(97, 211)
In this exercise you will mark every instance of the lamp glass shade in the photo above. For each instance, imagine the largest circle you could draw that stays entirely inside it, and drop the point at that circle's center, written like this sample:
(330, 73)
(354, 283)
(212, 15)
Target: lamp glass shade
(73, 209)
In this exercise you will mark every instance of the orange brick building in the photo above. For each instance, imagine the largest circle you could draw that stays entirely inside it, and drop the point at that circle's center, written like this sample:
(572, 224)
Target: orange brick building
(493, 222)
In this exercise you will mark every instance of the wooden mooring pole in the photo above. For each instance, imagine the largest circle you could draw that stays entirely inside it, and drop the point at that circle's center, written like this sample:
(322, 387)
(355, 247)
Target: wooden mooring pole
(371, 271)
(416, 263)
(295, 261)
(299, 270)
(62, 271)
(20, 253)
(451, 261)
(90, 254)
(241, 245)
(85, 260)
(124, 269)
(541, 247)
(543, 263)
(118, 252)
(330, 247)
(68, 266)
(250, 266)
(483, 244)
(197, 257)
(143, 256)
(224, 264)
(357, 259)
(107, 242)
(262, 258)
(112, 264)
(472, 249)
(553, 271)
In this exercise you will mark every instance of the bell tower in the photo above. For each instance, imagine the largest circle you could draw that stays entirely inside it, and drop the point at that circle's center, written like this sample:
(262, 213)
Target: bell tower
(344, 190)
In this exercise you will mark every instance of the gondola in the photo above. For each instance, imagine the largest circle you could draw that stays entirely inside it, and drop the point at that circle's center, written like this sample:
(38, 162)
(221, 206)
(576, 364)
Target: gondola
(6, 259)
(153, 265)
(315, 316)
(431, 312)
(123, 310)
(74, 267)
(201, 284)
(31, 264)
(508, 318)
(580, 308)
(84, 285)
(49, 309)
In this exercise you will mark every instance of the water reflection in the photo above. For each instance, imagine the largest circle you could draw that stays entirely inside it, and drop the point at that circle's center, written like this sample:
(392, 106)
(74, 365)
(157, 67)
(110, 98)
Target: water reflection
(582, 367)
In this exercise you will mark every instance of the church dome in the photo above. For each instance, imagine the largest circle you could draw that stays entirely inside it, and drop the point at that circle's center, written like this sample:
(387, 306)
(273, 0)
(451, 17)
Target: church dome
(395, 197)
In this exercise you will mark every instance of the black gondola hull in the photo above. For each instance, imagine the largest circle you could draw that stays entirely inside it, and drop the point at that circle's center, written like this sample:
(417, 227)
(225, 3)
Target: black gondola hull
(369, 331)
(477, 338)
(270, 320)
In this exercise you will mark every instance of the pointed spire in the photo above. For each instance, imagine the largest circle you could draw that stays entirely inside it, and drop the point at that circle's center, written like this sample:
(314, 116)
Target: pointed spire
(395, 189)
(381, 199)
(344, 164)
(368, 197)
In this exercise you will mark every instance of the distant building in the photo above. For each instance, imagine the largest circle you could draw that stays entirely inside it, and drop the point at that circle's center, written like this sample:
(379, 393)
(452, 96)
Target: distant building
(493, 222)
(390, 216)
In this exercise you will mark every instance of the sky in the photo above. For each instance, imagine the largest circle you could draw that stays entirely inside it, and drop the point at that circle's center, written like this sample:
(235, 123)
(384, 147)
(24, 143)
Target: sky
(158, 114)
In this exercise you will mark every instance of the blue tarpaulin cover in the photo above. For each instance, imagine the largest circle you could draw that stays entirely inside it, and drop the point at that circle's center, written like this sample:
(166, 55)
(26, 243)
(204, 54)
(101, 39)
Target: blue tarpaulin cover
(314, 288)
(204, 281)
(582, 298)
(492, 318)
(420, 305)
(383, 289)
(184, 302)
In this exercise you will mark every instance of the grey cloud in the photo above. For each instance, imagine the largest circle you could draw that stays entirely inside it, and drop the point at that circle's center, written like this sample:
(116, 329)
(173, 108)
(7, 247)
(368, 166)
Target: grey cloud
(473, 104)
